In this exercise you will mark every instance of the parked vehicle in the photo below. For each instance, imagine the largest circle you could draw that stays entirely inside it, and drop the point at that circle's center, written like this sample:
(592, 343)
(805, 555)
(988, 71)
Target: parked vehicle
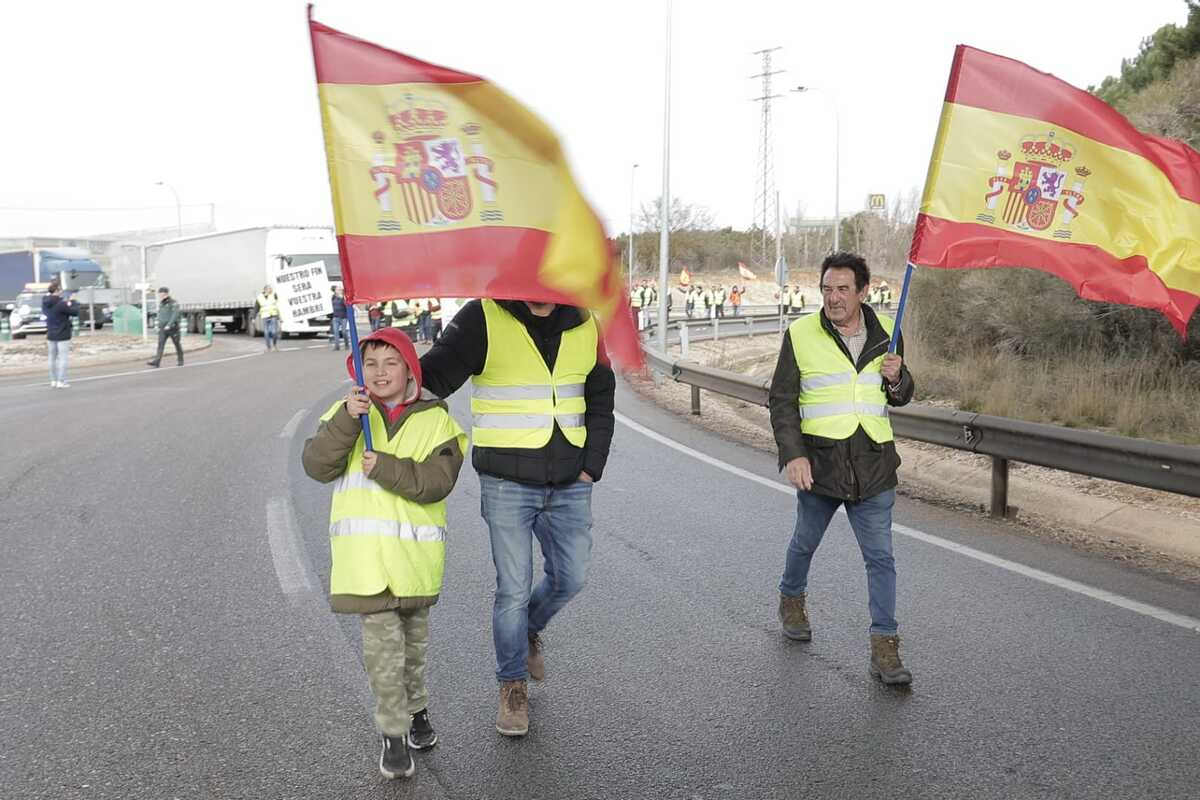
(216, 277)
(26, 316)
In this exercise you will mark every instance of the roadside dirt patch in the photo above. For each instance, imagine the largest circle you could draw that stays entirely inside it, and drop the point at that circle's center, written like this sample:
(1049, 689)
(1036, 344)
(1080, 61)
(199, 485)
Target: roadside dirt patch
(1157, 531)
(88, 349)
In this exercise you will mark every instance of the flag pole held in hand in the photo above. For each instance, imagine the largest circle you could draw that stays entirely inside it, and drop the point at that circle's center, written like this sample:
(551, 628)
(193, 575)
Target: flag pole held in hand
(356, 354)
(908, 273)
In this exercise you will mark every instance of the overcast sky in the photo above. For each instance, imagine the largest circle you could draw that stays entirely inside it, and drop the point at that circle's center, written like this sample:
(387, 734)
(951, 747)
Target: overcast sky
(217, 98)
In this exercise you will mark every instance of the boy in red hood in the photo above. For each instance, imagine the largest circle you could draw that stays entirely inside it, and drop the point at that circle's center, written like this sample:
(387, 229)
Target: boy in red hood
(387, 529)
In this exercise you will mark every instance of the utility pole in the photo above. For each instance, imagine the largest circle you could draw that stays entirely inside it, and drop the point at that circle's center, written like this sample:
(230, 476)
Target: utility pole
(764, 196)
(664, 249)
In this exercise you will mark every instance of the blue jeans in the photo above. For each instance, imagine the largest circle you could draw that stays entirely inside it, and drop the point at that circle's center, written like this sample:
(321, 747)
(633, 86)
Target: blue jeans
(58, 352)
(271, 332)
(561, 519)
(871, 520)
(337, 332)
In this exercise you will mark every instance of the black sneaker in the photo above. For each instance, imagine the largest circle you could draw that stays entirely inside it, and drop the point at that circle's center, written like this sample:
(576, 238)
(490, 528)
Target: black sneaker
(421, 735)
(394, 760)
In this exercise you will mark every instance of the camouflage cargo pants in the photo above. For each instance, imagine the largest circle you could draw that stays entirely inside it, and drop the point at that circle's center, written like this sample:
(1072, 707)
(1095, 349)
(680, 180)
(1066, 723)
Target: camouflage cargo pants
(394, 645)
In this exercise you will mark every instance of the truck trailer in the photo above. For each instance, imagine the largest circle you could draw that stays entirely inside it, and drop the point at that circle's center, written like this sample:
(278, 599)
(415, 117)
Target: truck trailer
(217, 277)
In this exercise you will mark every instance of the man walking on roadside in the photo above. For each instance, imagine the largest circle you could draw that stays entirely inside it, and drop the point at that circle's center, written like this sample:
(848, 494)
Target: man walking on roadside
(542, 401)
(829, 402)
(168, 326)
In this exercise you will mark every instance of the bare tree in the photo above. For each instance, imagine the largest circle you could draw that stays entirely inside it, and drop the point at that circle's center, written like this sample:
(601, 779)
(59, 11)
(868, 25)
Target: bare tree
(683, 216)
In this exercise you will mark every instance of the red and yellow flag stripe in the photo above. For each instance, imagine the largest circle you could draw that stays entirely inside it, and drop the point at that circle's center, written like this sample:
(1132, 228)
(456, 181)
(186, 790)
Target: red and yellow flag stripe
(444, 185)
(1028, 171)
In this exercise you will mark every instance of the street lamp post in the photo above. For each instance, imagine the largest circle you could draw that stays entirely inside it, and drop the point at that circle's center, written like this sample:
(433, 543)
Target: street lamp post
(632, 177)
(178, 208)
(837, 161)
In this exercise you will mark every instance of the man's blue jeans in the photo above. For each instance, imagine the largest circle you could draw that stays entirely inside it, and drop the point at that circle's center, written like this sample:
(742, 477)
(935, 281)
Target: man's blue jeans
(871, 520)
(338, 332)
(271, 332)
(561, 519)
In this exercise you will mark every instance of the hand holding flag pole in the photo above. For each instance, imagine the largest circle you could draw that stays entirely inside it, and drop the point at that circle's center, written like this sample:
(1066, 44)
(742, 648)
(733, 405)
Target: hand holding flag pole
(356, 354)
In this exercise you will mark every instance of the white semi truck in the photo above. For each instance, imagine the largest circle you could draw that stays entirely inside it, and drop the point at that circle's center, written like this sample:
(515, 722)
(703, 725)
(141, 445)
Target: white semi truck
(216, 277)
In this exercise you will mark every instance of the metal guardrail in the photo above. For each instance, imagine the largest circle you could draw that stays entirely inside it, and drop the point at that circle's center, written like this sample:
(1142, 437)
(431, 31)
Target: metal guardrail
(1139, 462)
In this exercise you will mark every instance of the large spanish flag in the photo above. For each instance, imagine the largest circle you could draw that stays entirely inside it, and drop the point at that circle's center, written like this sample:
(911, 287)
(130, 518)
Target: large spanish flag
(1028, 171)
(444, 186)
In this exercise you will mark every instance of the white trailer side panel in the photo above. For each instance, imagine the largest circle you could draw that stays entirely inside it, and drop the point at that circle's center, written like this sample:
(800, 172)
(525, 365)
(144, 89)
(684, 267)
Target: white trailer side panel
(214, 269)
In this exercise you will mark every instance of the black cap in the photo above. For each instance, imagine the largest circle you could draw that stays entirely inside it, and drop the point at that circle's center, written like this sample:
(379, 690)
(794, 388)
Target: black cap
(163, 290)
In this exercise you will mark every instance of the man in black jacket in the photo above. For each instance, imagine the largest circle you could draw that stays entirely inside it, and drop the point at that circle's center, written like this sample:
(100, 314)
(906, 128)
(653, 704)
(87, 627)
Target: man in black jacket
(58, 311)
(829, 397)
(541, 485)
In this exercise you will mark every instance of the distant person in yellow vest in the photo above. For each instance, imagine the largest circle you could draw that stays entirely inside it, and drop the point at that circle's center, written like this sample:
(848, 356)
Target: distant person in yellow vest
(266, 306)
(387, 529)
(885, 295)
(786, 300)
(719, 301)
(649, 302)
(829, 400)
(398, 312)
(542, 404)
(797, 299)
(689, 301)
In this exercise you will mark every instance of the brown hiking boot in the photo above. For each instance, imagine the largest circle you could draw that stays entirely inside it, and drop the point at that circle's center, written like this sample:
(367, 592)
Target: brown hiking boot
(535, 663)
(513, 717)
(885, 661)
(794, 617)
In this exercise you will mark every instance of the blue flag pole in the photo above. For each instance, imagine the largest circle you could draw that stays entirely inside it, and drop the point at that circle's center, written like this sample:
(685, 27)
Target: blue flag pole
(908, 273)
(356, 354)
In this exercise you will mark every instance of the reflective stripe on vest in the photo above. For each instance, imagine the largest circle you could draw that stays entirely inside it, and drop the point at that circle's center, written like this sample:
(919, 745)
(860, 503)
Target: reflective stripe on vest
(516, 400)
(388, 527)
(380, 540)
(834, 401)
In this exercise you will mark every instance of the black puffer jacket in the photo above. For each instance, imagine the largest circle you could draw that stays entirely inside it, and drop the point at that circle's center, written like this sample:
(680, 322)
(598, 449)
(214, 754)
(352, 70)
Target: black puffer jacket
(461, 351)
(849, 469)
(58, 311)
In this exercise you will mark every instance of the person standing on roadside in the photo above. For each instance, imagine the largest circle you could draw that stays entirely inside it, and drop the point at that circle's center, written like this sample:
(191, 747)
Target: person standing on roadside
(338, 332)
(829, 400)
(267, 308)
(168, 326)
(58, 311)
(542, 400)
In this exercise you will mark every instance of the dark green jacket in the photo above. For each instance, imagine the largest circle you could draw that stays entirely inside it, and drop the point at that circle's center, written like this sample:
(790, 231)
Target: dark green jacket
(850, 469)
(168, 314)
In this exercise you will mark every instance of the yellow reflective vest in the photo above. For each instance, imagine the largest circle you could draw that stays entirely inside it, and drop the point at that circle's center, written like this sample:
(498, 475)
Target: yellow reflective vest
(378, 539)
(268, 306)
(834, 397)
(516, 400)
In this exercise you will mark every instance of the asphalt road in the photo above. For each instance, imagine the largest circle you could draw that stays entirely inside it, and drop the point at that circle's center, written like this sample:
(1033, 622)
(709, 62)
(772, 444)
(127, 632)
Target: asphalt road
(165, 633)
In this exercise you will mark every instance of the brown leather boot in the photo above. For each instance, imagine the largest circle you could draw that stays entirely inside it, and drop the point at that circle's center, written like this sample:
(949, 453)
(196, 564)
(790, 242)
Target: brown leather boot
(512, 719)
(885, 661)
(794, 617)
(535, 663)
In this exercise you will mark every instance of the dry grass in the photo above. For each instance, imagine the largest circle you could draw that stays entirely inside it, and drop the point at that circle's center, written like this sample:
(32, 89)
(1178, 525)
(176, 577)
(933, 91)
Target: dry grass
(1145, 397)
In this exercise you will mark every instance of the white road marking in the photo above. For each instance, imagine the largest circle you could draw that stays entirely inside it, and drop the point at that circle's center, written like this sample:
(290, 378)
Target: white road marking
(294, 575)
(1104, 596)
(289, 430)
(148, 370)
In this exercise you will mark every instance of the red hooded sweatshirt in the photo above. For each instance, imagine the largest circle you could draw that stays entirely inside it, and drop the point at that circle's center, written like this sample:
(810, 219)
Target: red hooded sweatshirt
(397, 339)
